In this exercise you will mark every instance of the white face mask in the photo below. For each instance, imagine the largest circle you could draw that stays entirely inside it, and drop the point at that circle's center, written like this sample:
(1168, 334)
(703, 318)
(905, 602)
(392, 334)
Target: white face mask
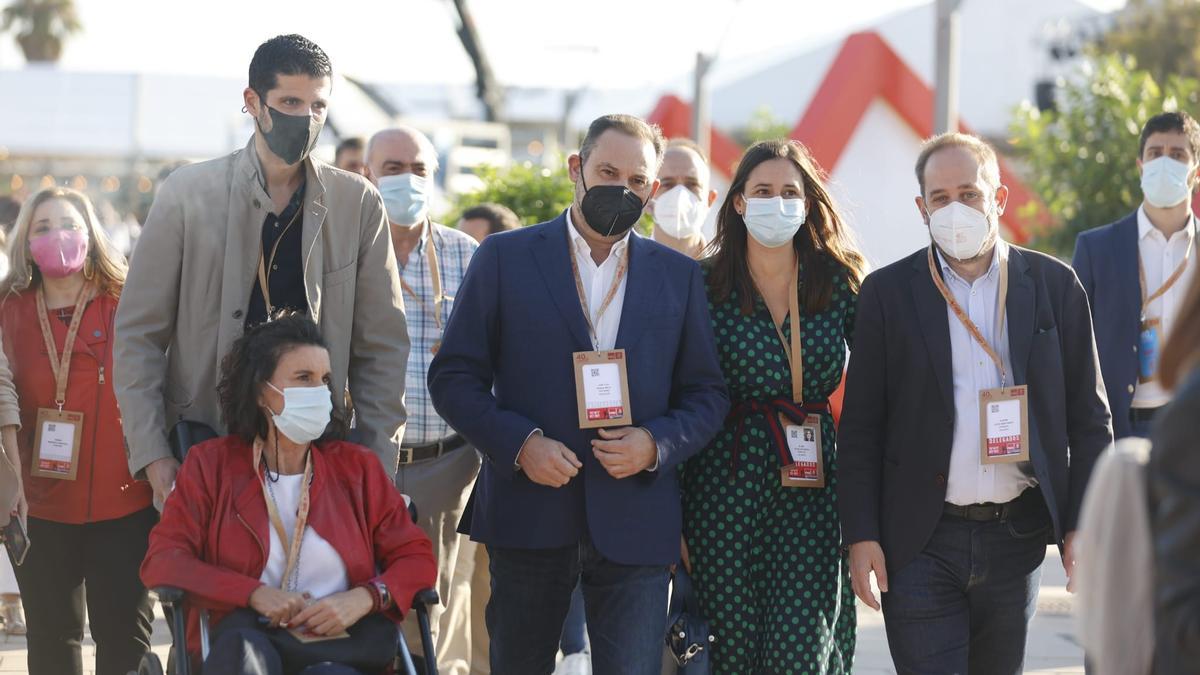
(1165, 182)
(306, 412)
(960, 231)
(405, 198)
(773, 221)
(679, 212)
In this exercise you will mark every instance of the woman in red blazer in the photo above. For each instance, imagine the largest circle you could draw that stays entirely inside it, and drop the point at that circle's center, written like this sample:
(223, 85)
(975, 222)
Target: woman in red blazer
(279, 530)
(88, 520)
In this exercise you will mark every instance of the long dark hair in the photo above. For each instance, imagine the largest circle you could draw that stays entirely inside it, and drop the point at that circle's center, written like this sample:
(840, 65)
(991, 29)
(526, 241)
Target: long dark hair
(250, 364)
(823, 245)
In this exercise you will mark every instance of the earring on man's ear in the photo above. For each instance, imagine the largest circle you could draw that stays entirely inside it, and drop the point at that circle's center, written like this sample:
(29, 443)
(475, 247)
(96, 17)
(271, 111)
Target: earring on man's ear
(244, 109)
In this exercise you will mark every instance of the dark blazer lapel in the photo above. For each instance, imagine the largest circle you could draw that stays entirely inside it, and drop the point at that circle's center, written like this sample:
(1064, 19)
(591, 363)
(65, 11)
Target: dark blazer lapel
(935, 326)
(1125, 257)
(550, 250)
(1020, 314)
(645, 278)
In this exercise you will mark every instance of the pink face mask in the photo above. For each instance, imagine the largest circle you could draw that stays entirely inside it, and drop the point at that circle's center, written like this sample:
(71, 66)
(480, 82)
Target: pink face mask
(60, 253)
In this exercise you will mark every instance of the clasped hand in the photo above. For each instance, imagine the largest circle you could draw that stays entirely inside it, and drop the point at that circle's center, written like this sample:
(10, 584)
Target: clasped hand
(623, 452)
(328, 616)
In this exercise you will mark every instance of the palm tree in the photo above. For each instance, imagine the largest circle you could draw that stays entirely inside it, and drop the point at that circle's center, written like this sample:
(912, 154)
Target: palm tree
(41, 26)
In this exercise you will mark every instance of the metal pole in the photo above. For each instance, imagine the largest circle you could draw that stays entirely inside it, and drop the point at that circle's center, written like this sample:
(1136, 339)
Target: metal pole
(701, 123)
(945, 112)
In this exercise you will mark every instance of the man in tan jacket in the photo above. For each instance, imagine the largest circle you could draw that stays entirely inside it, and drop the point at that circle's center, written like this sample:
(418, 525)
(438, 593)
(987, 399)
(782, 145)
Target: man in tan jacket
(232, 240)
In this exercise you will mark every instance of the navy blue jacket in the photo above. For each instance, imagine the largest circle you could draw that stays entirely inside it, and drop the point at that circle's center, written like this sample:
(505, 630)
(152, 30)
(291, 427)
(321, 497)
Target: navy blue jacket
(897, 427)
(504, 369)
(1106, 260)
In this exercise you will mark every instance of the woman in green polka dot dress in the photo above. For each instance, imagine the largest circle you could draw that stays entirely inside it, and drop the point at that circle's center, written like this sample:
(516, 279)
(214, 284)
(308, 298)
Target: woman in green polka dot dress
(766, 558)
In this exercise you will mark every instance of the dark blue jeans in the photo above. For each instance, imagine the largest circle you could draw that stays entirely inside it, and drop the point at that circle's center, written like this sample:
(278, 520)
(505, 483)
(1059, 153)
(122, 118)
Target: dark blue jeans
(574, 638)
(625, 606)
(965, 603)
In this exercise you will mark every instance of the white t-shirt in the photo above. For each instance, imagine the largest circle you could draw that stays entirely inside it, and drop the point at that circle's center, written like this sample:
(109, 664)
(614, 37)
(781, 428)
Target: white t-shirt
(322, 571)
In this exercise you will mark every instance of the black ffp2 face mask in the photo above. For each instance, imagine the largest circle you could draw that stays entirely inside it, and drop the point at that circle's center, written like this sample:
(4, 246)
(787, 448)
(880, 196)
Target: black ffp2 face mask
(610, 209)
(291, 137)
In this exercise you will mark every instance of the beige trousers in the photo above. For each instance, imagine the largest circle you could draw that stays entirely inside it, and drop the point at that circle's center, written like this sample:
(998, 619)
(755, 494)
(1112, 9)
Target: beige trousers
(440, 489)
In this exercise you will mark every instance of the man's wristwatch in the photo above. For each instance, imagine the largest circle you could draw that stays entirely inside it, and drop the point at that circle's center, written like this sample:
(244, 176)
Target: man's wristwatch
(382, 595)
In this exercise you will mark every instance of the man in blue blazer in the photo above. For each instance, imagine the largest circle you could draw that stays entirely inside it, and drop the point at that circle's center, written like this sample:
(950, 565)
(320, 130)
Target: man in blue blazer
(556, 503)
(1154, 243)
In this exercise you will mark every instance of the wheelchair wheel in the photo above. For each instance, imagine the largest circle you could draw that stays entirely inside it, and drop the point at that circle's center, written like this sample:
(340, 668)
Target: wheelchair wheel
(150, 665)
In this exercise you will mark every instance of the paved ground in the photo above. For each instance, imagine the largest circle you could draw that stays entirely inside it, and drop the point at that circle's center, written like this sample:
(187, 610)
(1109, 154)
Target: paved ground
(1052, 648)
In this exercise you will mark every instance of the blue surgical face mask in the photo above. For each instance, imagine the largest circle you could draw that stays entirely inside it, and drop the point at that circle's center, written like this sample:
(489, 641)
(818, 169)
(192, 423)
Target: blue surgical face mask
(1165, 182)
(406, 198)
(306, 412)
(773, 221)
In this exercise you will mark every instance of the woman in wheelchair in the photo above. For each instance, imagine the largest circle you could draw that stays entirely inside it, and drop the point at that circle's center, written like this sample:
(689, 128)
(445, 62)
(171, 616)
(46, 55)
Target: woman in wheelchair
(297, 543)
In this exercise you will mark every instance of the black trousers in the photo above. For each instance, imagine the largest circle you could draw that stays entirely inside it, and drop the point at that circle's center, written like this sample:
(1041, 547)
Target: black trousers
(97, 562)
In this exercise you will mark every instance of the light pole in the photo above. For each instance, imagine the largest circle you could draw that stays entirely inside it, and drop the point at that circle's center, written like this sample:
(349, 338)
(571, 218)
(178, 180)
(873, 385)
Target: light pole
(701, 122)
(945, 112)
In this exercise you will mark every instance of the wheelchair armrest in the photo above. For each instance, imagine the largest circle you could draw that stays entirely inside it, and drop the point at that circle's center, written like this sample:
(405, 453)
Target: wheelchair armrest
(169, 596)
(425, 597)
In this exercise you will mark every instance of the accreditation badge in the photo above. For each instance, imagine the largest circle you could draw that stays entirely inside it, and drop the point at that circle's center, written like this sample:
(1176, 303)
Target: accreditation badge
(804, 445)
(1004, 425)
(602, 389)
(1148, 341)
(56, 444)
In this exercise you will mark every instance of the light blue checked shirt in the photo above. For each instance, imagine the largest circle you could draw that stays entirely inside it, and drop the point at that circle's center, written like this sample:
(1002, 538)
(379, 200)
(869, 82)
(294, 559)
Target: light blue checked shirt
(454, 250)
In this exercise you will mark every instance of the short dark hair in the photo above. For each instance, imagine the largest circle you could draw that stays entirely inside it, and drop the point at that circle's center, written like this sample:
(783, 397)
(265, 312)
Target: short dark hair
(1176, 121)
(348, 145)
(500, 218)
(286, 55)
(9, 208)
(251, 362)
(626, 124)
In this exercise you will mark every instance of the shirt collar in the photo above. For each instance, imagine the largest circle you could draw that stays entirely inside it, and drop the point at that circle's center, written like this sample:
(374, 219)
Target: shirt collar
(1145, 227)
(426, 229)
(1001, 250)
(580, 244)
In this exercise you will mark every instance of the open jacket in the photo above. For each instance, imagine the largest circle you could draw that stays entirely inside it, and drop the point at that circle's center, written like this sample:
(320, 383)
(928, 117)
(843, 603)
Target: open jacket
(103, 488)
(213, 538)
(189, 288)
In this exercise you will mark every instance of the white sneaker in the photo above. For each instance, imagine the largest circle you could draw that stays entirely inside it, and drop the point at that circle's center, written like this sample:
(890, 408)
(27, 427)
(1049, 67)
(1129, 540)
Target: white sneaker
(575, 664)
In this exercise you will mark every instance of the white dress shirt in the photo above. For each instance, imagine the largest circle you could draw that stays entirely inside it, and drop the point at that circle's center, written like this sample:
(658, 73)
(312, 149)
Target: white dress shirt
(970, 481)
(597, 280)
(1160, 257)
(321, 570)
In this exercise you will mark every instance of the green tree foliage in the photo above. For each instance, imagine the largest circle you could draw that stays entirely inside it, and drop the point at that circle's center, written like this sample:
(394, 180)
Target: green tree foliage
(41, 26)
(1082, 159)
(1160, 35)
(534, 193)
(763, 126)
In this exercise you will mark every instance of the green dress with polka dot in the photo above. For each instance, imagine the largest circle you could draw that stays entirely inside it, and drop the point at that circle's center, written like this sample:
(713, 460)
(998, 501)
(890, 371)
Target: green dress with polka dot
(766, 559)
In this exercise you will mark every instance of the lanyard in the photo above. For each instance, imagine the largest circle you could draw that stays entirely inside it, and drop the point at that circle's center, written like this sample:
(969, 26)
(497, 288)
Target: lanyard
(967, 322)
(264, 280)
(622, 265)
(794, 355)
(293, 544)
(61, 369)
(1170, 280)
(435, 275)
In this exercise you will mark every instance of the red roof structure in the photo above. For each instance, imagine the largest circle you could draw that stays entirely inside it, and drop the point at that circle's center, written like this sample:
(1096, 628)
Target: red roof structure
(865, 69)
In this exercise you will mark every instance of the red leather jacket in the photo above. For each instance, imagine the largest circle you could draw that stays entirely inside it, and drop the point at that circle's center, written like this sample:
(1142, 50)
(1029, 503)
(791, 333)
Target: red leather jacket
(213, 536)
(103, 488)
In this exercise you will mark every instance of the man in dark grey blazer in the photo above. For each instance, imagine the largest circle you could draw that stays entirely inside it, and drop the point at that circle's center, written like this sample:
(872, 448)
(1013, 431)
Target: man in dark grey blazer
(968, 433)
